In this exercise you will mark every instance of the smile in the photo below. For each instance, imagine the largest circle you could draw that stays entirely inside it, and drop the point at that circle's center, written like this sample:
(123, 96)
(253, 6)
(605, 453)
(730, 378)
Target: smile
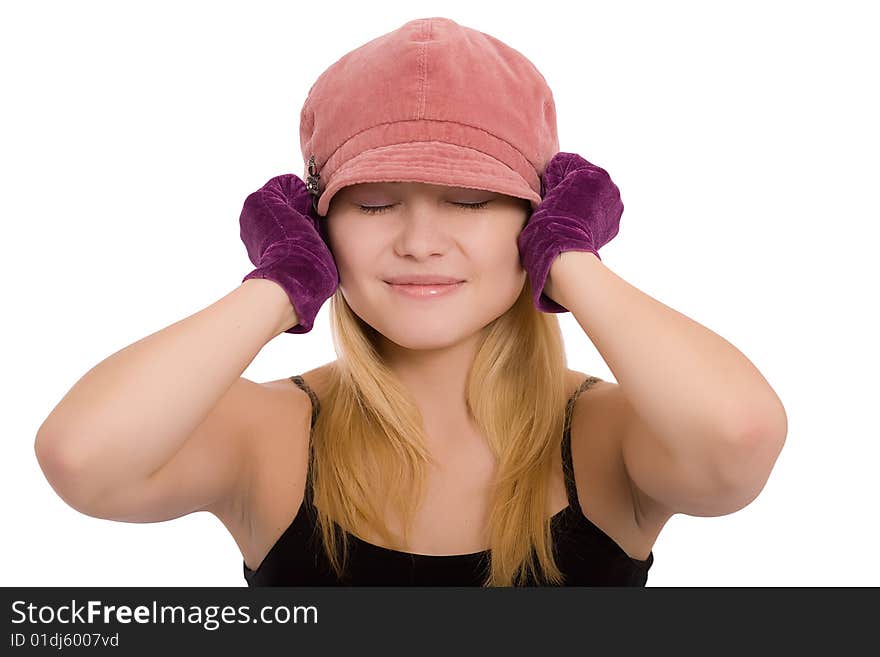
(425, 291)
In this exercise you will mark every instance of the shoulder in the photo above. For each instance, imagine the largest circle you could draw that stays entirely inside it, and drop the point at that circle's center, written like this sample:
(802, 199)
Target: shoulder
(277, 446)
(597, 422)
(289, 405)
(281, 426)
(594, 420)
(574, 379)
(316, 378)
(286, 390)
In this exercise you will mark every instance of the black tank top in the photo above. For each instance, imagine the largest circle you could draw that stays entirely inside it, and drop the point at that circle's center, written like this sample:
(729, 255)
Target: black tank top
(585, 554)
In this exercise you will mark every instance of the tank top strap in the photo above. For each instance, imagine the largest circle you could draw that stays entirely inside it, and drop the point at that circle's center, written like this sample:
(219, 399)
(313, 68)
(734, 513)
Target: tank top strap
(316, 408)
(567, 465)
(316, 405)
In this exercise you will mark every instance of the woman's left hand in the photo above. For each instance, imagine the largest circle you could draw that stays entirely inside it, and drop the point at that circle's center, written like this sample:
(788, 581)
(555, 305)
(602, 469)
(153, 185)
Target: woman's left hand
(580, 211)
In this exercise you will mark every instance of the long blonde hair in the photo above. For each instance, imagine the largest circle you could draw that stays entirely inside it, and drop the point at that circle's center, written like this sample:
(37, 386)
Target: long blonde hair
(369, 432)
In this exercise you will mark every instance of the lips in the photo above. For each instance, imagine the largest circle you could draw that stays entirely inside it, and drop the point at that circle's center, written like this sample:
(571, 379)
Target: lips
(423, 279)
(417, 291)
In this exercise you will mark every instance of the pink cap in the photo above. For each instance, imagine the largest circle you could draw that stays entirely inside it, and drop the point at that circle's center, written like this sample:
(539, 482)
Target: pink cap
(435, 102)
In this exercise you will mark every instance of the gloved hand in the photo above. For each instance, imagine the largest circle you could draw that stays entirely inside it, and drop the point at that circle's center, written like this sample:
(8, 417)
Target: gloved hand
(579, 211)
(285, 241)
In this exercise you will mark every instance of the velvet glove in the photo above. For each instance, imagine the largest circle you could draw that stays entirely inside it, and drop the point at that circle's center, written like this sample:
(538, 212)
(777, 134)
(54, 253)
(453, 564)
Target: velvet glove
(579, 211)
(286, 242)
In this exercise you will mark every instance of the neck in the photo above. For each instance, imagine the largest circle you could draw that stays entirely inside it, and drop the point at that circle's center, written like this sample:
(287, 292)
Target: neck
(436, 378)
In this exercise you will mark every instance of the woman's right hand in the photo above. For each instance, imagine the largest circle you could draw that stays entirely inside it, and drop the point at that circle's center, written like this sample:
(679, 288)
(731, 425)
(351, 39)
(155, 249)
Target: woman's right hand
(282, 233)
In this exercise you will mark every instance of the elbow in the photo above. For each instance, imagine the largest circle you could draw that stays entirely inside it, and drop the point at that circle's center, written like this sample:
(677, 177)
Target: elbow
(752, 454)
(761, 424)
(55, 455)
(48, 456)
(63, 471)
(765, 433)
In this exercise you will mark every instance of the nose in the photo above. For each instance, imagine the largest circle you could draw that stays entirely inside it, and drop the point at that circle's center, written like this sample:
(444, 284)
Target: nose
(421, 233)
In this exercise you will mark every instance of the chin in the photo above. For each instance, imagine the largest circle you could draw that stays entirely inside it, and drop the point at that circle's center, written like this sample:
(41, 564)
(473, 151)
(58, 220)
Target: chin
(422, 336)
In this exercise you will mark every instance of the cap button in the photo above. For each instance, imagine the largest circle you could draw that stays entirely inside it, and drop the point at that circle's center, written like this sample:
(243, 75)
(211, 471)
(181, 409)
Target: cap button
(313, 177)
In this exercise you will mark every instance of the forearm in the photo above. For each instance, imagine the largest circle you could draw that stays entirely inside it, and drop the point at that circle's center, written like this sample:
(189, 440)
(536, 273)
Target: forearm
(132, 411)
(688, 383)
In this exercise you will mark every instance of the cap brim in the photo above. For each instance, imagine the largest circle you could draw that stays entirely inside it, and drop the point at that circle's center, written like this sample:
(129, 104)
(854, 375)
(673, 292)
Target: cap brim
(434, 162)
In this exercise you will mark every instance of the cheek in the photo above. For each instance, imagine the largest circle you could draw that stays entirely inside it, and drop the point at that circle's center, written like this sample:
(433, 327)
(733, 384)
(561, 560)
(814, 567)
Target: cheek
(501, 255)
(356, 252)
(497, 235)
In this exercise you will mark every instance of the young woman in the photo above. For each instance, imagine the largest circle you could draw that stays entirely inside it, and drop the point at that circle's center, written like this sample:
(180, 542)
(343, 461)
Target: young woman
(448, 444)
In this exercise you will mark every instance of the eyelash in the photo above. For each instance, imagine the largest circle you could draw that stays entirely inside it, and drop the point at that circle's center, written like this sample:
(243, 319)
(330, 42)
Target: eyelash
(377, 209)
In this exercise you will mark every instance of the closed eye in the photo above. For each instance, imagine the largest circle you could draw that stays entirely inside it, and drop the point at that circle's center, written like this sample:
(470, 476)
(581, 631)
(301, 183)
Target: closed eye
(376, 209)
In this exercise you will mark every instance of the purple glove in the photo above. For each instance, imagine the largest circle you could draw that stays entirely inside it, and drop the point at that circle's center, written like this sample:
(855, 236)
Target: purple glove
(283, 237)
(579, 211)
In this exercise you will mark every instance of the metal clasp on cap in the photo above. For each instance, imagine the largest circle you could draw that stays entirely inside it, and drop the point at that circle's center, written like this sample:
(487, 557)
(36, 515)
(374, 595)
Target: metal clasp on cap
(312, 182)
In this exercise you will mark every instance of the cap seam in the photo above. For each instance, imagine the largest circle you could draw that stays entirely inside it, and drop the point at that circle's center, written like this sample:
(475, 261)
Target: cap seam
(427, 141)
(381, 123)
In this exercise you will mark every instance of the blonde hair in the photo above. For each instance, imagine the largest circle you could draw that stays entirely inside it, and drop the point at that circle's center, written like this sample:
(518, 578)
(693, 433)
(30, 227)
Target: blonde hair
(369, 431)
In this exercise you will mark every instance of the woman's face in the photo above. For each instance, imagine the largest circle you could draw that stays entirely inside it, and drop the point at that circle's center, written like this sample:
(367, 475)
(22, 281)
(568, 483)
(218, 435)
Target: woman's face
(420, 228)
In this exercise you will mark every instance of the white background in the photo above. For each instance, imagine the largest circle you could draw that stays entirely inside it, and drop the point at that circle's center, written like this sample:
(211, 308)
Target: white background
(743, 138)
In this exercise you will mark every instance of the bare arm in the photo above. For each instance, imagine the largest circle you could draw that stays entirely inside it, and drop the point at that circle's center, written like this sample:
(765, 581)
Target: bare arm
(131, 413)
